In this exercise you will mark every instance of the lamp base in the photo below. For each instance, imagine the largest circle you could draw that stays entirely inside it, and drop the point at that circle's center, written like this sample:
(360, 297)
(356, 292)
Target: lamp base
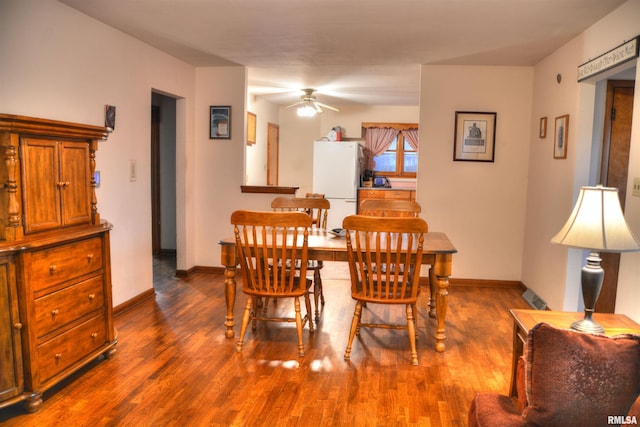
(587, 325)
(592, 276)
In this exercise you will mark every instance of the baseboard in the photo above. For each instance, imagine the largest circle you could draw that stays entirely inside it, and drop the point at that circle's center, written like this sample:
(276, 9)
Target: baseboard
(199, 269)
(133, 302)
(484, 283)
(424, 281)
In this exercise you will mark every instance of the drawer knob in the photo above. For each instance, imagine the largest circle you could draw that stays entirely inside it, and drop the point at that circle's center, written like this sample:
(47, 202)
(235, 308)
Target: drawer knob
(63, 184)
(89, 257)
(55, 312)
(58, 356)
(52, 268)
(17, 325)
(92, 297)
(94, 335)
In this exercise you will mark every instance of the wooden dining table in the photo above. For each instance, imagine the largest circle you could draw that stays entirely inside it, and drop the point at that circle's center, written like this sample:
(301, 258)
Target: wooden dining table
(325, 246)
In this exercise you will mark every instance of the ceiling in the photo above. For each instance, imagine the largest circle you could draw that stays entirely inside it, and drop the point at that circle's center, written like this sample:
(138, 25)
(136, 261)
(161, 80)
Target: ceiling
(353, 51)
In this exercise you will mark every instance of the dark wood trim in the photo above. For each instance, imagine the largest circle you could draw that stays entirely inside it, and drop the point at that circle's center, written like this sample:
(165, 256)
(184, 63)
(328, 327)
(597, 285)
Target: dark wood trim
(398, 126)
(268, 189)
(133, 302)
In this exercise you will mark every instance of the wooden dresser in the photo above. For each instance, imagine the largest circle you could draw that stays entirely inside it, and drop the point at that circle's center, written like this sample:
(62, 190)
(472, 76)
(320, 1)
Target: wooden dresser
(55, 272)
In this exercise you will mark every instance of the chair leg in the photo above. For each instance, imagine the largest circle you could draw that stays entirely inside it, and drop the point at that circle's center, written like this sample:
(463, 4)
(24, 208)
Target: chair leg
(414, 311)
(320, 282)
(245, 322)
(318, 295)
(355, 322)
(307, 302)
(296, 303)
(256, 303)
(411, 328)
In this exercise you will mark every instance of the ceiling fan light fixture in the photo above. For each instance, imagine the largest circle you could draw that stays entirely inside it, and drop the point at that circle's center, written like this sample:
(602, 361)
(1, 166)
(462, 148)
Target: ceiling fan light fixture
(308, 106)
(306, 111)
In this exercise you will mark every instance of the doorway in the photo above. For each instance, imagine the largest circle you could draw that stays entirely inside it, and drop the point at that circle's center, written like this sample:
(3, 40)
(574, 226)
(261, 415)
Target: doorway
(614, 172)
(273, 147)
(163, 175)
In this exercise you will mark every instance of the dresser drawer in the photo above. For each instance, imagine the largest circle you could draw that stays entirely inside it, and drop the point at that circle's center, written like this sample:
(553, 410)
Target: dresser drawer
(56, 265)
(371, 194)
(59, 308)
(64, 350)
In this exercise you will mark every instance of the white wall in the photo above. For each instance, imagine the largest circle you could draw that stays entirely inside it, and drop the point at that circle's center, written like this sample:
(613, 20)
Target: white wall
(57, 63)
(551, 181)
(553, 271)
(218, 164)
(481, 206)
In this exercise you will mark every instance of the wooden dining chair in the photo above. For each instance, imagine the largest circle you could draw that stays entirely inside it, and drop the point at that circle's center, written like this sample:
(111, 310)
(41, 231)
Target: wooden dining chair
(317, 207)
(268, 244)
(401, 208)
(384, 257)
(390, 208)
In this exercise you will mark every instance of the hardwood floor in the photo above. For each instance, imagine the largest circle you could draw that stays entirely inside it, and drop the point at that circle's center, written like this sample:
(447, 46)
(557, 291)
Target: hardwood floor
(174, 367)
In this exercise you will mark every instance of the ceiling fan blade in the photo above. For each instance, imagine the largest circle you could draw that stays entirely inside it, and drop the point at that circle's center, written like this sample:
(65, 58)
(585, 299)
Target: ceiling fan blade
(294, 104)
(327, 106)
(317, 105)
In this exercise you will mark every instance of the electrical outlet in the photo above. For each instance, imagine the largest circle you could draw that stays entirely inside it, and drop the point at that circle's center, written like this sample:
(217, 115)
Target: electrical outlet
(636, 187)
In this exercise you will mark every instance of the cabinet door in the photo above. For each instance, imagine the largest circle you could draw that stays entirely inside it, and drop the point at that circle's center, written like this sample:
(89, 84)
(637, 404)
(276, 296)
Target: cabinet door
(11, 376)
(40, 186)
(76, 181)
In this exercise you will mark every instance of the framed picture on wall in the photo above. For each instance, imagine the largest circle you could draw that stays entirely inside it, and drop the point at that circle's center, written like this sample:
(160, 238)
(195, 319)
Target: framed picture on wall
(543, 127)
(220, 122)
(561, 137)
(474, 136)
(251, 128)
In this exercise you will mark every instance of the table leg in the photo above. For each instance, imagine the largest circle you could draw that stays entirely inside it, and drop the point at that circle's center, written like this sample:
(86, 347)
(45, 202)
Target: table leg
(518, 350)
(442, 273)
(433, 289)
(229, 262)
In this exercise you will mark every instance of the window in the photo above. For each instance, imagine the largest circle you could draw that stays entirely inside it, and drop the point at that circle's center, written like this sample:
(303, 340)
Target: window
(397, 156)
(399, 159)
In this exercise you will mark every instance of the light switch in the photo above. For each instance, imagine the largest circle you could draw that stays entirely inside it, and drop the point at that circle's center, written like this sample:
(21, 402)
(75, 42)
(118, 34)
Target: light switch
(636, 187)
(133, 172)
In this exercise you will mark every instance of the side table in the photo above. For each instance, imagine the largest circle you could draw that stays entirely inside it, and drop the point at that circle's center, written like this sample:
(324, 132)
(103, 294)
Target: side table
(524, 320)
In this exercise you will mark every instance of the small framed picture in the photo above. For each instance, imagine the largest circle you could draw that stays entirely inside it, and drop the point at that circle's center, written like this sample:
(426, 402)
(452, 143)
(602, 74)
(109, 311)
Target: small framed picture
(543, 127)
(474, 136)
(251, 128)
(220, 122)
(561, 137)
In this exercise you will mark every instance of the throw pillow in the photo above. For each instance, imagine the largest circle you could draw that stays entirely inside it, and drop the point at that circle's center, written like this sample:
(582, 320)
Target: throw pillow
(579, 379)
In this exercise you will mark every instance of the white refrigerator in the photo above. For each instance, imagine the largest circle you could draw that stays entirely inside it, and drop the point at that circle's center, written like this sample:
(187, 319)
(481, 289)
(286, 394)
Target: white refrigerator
(337, 167)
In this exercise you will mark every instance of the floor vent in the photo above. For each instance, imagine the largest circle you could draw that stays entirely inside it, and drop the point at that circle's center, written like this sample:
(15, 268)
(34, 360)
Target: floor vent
(534, 300)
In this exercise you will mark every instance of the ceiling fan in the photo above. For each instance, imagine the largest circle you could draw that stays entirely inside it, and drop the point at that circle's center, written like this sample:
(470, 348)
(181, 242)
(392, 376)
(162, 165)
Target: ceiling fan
(308, 105)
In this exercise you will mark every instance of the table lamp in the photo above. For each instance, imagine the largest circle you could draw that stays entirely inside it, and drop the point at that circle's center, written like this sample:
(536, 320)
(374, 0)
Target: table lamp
(597, 224)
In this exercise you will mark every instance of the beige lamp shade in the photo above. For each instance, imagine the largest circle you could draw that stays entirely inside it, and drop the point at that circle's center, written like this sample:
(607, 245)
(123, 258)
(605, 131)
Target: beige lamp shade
(597, 223)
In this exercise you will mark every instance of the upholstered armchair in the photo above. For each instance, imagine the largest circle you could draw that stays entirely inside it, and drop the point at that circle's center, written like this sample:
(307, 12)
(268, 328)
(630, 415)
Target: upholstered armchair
(568, 379)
